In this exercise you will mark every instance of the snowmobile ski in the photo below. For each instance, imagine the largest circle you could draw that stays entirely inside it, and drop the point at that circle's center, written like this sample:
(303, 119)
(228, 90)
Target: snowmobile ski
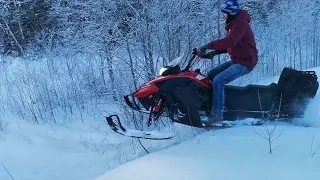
(153, 135)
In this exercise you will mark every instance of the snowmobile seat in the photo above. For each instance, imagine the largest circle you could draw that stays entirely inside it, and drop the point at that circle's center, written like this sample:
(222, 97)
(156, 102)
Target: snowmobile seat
(249, 87)
(248, 98)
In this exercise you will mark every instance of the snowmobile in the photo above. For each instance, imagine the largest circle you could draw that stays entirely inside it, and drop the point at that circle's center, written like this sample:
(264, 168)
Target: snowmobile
(185, 96)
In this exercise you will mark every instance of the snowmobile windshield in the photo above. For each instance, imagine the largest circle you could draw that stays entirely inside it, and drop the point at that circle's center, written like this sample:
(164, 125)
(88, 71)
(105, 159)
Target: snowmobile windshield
(172, 65)
(175, 62)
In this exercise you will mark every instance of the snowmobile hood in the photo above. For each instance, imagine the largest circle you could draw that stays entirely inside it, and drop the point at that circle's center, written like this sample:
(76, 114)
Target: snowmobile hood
(243, 14)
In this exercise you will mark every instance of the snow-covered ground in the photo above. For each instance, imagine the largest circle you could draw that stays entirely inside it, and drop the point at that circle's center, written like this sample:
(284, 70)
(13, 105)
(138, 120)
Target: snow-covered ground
(237, 153)
(78, 150)
(34, 152)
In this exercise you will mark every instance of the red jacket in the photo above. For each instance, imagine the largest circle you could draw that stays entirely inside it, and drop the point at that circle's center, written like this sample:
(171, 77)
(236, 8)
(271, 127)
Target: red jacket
(239, 41)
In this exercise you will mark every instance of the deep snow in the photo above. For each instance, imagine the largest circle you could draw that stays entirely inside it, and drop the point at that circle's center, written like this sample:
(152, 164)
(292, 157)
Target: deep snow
(237, 153)
(35, 152)
(74, 150)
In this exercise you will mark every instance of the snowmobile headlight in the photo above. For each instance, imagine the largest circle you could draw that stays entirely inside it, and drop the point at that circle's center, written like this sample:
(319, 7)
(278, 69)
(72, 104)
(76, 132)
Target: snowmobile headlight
(133, 102)
(137, 102)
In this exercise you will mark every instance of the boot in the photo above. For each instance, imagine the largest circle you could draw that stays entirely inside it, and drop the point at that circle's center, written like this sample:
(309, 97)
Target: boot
(212, 119)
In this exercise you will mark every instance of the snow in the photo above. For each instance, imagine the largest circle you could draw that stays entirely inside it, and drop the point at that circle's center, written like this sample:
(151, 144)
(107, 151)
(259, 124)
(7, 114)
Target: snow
(31, 151)
(78, 150)
(312, 114)
(236, 153)
(232, 153)
(74, 150)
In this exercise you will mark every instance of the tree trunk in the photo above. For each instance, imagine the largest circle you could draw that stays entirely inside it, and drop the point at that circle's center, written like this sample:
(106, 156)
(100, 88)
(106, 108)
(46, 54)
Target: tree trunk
(102, 73)
(112, 78)
(13, 37)
(147, 49)
(218, 29)
(135, 83)
(300, 54)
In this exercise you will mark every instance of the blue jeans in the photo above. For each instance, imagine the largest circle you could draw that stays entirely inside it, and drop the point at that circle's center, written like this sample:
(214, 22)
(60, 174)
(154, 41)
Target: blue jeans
(221, 75)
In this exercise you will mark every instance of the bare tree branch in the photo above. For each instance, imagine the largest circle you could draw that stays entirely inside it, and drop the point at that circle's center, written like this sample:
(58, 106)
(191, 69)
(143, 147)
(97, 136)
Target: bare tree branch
(13, 36)
(7, 171)
(268, 134)
(315, 151)
(143, 146)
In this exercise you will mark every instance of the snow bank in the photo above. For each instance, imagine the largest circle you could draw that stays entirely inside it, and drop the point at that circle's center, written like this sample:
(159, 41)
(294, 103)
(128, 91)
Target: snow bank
(36, 152)
(312, 114)
(70, 151)
(237, 153)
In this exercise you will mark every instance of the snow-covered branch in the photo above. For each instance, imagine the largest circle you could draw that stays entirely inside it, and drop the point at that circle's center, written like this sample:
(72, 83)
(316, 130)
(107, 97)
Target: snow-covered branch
(266, 133)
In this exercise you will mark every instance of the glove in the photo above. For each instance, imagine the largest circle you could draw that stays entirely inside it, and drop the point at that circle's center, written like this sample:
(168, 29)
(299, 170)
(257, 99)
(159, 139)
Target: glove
(209, 55)
(201, 51)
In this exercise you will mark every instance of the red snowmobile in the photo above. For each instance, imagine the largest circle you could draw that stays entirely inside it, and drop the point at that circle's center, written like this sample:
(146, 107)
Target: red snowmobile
(185, 97)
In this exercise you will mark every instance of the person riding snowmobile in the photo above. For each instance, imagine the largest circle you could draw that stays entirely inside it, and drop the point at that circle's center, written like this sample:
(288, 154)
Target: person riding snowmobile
(240, 44)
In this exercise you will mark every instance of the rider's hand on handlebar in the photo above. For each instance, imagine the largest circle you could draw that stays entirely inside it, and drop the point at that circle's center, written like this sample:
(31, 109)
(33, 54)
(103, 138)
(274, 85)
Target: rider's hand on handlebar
(209, 55)
(201, 51)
